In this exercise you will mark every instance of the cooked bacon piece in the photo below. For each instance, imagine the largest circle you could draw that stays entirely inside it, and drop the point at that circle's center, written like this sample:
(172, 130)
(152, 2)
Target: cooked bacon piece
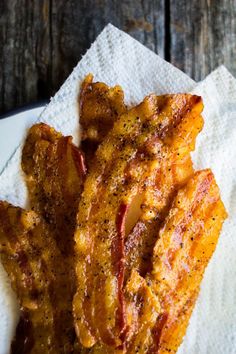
(38, 275)
(100, 106)
(137, 281)
(143, 310)
(185, 245)
(173, 170)
(123, 164)
(55, 172)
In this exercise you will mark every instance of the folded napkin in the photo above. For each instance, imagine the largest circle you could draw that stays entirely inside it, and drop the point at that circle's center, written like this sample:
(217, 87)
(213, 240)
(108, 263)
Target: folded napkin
(116, 58)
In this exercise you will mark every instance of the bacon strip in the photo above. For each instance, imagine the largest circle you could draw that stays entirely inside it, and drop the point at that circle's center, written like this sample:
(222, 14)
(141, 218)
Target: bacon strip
(55, 171)
(173, 170)
(123, 164)
(144, 310)
(186, 243)
(100, 106)
(36, 274)
(127, 301)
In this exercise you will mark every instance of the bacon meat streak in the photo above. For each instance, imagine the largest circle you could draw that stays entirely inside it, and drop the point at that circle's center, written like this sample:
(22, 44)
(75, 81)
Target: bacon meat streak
(122, 168)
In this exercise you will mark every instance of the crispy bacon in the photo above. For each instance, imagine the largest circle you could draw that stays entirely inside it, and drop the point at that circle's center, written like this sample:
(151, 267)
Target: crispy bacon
(35, 266)
(146, 228)
(173, 170)
(100, 106)
(55, 171)
(185, 245)
(143, 309)
(123, 166)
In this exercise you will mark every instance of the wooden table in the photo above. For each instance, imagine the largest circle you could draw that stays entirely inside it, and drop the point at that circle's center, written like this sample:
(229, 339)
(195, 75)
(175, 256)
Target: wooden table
(42, 40)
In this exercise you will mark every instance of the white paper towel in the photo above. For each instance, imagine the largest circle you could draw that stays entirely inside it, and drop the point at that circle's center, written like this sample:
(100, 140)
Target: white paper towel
(212, 327)
(116, 58)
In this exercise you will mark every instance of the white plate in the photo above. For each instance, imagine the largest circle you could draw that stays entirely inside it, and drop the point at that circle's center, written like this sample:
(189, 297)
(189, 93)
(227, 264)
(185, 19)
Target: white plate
(13, 128)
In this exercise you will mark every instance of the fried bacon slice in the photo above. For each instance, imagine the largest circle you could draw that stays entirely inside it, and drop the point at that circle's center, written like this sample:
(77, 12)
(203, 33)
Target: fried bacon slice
(99, 106)
(143, 310)
(173, 170)
(123, 164)
(55, 172)
(187, 242)
(185, 245)
(138, 272)
(38, 276)
(160, 313)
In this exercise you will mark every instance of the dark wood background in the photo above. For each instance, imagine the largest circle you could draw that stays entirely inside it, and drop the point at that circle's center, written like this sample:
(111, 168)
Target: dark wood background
(42, 40)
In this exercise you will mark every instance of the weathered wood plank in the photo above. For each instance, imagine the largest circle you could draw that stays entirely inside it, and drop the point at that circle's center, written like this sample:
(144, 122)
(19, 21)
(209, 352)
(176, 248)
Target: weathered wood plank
(25, 52)
(203, 35)
(41, 41)
(76, 24)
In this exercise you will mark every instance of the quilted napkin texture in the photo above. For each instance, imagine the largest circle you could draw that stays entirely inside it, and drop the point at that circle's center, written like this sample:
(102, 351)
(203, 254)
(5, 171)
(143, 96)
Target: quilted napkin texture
(116, 58)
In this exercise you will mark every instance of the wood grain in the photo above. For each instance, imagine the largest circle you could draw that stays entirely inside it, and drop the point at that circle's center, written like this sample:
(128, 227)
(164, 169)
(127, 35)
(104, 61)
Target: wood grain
(203, 35)
(41, 41)
(25, 47)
